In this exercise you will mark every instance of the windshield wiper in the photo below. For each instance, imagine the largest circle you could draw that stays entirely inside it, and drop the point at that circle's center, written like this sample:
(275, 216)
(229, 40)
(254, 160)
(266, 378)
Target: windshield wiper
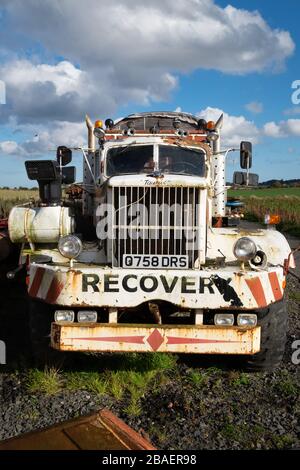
(184, 147)
(126, 147)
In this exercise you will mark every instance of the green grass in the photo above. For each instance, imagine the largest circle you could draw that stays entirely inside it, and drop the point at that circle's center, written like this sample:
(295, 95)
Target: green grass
(282, 201)
(48, 381)
(264, 192)
(12, 197)
(238, 379)
(294, 295)
(90, 381)
(198, 378)
(246, 435)
(127, 379)
(283, 442)
(287, 386)
(146, 362)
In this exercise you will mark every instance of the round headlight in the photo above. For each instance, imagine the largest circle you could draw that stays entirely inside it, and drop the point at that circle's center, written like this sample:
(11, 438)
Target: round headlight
(244, 249)
(99, 132)
(70, 246)
(212, 136)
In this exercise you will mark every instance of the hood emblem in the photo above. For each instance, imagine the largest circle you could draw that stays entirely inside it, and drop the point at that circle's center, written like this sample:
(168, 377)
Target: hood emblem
(156, 174)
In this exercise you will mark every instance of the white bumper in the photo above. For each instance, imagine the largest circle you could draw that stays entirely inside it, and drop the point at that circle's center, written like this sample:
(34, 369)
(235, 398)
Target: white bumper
(91, 285)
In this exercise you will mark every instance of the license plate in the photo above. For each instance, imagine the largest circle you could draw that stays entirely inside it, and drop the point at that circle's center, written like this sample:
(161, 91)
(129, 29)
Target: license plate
(156, 261)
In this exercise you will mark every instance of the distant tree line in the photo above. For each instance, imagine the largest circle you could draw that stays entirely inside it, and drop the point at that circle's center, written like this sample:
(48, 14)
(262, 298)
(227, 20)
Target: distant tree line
(21, 188)
(293, 183)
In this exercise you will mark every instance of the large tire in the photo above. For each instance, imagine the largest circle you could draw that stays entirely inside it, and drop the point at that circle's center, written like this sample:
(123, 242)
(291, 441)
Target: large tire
(41, 315)
(273, 322)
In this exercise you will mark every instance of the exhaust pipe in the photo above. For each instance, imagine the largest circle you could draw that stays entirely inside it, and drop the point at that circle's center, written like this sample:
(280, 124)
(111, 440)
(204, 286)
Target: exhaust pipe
(219, 122)
(91, 137)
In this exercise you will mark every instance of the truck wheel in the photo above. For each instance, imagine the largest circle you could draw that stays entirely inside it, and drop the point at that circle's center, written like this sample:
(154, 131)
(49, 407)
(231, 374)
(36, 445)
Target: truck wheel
(40, 319)
(273, 322)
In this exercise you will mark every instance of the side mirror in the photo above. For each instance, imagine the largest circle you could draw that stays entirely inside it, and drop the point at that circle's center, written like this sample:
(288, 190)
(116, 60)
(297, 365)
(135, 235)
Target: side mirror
(240, 178)
(47, 174)
(68, 175)
(42, 170)
(246, 155)
(63, 155)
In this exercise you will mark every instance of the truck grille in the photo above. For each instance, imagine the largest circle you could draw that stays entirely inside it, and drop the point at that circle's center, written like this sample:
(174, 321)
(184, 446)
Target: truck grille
(155, 221)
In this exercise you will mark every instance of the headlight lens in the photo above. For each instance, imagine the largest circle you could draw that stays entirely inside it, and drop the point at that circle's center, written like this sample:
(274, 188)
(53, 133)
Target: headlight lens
(247, 319)
(64, 316)
(224, 319)
(244, 249)
(70, 246)
(99, 132)
(89, 316)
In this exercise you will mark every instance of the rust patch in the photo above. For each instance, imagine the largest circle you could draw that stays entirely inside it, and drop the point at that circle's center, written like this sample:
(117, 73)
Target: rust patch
(74, 280)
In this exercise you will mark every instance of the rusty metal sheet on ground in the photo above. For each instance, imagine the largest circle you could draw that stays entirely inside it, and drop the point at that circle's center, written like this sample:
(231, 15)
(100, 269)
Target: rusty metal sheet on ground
(100, 431)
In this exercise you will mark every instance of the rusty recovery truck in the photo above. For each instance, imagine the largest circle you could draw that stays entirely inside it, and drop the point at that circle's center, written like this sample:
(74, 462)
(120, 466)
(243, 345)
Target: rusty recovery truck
(138, 257)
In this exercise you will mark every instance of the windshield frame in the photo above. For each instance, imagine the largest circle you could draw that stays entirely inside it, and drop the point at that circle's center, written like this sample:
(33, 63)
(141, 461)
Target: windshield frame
(156, 146)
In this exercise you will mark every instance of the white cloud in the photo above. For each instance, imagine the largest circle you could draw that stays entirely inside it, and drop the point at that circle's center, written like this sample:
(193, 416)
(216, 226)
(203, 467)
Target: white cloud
(64, 76)
(290, 127)
(44, 141)
(40, 91)
(119, 53)
(9, 147)
(255, 107)
(292, 111)
(235, 128)
(271, 129)
(181, 35)
(126, 52)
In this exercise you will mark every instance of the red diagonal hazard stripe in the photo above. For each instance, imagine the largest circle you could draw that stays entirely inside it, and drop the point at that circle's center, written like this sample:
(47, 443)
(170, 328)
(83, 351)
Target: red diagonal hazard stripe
(116, 339)
(257, 291)
(273, 278)
(35, 285)
(54, 290)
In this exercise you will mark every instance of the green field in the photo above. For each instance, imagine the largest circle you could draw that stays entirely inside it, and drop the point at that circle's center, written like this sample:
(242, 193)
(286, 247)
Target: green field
(282, 201)
(264, 192)
(11, 197)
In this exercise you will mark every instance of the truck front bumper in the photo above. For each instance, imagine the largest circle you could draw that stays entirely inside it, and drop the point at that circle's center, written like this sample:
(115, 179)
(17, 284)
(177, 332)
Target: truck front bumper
(92, 285)
(149, 338)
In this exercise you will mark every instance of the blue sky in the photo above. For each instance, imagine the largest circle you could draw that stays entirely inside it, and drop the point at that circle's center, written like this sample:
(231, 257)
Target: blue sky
(197, 55)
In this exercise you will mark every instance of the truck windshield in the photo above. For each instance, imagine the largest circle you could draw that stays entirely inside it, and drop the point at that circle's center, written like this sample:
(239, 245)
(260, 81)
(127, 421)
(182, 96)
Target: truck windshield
(181, 160)
(130, 159)
(139, 159)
